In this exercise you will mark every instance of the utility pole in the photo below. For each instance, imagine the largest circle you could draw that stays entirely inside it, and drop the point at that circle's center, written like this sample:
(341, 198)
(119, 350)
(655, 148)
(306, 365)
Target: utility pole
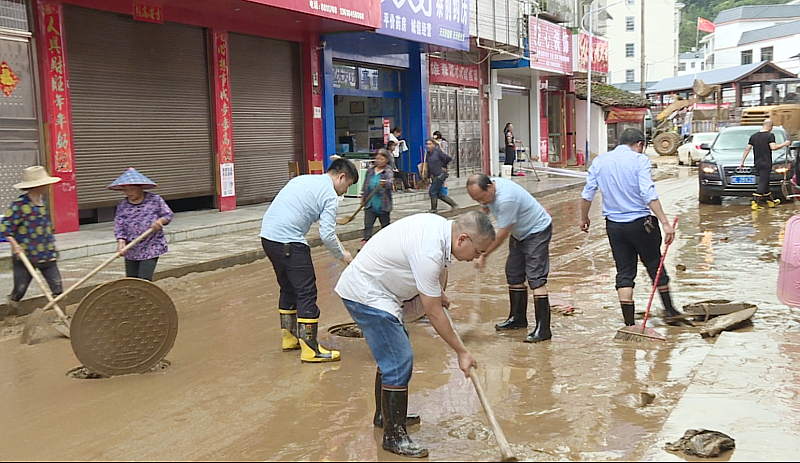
(641, 50)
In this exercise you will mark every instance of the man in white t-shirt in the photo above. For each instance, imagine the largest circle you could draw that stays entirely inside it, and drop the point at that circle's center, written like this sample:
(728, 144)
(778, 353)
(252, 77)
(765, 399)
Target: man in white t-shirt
(399, 263)
(529, 228)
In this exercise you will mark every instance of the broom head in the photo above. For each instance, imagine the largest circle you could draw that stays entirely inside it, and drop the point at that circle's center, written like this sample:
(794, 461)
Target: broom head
(635, 334)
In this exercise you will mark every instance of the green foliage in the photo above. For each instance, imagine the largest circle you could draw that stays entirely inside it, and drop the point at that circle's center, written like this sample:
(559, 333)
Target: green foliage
(707, 9)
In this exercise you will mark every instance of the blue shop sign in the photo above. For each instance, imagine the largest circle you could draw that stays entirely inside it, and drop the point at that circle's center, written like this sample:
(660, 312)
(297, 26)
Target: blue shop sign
(437, 22)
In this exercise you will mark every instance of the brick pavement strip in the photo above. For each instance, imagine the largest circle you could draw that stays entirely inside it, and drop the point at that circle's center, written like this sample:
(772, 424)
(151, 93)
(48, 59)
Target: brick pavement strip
(208, 240)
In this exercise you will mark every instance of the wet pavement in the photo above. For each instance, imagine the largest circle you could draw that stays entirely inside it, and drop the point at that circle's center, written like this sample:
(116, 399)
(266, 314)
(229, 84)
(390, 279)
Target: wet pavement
(231, 394)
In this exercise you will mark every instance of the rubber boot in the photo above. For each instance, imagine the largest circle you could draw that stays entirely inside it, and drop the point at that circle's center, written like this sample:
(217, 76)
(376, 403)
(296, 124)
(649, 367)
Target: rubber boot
(754, 202)
(671, 315)
(449, 201)
(628, 312)
(772, 202)
(395, 433)
(518, 318)
(541, 305)
(289, 329)
(411, 418)
(434, 205)
(312, 351)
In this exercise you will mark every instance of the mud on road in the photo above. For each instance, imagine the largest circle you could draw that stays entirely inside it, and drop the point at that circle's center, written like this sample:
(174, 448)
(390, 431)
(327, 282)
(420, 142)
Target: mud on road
(231, 394)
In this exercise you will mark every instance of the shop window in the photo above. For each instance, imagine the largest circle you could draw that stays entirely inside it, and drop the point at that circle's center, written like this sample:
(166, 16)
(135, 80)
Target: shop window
(747, 57)
(629, 51)
(766, 54)
(630, 23)
(630, 76)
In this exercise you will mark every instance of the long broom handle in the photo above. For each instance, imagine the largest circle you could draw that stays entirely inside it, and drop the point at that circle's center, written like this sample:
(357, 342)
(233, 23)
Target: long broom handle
(350, 218)
(41, 284)
(99, 268)
(658, 275)
(502, 442)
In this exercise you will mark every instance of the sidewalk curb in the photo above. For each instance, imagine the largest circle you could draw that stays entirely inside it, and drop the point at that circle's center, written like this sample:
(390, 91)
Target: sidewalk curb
(29, 305)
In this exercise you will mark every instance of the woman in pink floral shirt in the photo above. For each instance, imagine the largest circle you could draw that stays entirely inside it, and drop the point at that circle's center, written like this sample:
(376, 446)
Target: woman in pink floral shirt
(135, 214)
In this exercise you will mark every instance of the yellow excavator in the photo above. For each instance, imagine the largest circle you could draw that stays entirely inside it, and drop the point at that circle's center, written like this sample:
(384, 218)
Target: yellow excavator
(782, 98)
(665, 141)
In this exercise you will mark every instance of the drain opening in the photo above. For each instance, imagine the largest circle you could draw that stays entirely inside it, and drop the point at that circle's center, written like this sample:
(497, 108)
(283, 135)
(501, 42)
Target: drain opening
(85, 373)
(347, 330)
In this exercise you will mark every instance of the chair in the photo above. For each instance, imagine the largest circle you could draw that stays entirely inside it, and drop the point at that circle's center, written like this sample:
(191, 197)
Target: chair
(294, 169)
(316, 167)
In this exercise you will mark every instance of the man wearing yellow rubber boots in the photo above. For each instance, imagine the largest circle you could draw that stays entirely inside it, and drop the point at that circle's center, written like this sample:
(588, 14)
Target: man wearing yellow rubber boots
(762, 143)
(303, 201)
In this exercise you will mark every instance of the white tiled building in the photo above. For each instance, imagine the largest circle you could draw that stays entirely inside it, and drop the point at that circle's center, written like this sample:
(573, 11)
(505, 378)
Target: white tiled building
(691, 62)
(662, 20)
(749, 34)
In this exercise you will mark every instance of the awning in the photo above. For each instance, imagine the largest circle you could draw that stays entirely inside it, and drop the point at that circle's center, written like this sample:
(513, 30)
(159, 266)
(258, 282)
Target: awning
(617, 114)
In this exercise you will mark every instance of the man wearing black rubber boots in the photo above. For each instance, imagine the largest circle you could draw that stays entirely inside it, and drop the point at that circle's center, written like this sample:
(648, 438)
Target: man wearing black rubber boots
(632, 211)
(529, 228)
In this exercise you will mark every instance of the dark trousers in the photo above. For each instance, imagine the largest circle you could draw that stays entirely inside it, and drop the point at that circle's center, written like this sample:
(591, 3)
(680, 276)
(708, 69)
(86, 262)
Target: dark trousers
(22, 279)
(295, 272)
(631, 241)
(404, 178)
(369, 221)
(511, 156)
(143, 269)
(763, 180)
(437, 183)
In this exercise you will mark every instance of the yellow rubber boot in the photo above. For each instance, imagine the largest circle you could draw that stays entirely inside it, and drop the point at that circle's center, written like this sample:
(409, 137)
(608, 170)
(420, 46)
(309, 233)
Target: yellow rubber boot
(289, 329)
(754, 205)
(312, 351)
(773, 202)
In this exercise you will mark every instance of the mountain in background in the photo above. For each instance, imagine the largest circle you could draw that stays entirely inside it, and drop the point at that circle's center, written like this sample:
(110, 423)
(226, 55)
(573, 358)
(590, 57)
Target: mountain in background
(707, 9)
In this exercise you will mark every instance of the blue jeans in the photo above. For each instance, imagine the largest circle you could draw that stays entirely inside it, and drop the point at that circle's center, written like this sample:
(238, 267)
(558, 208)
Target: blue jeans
(436, 186)
(387, 338)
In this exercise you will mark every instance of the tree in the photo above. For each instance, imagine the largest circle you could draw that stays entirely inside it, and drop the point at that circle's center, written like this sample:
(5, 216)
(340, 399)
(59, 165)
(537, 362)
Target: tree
(707, 9)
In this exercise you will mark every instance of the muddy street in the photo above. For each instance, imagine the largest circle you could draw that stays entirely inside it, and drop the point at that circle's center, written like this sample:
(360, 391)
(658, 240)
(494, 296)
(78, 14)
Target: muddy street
(232, 394)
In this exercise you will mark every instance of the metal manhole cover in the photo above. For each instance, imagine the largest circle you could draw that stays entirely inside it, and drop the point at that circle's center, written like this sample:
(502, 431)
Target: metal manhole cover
(124, 326)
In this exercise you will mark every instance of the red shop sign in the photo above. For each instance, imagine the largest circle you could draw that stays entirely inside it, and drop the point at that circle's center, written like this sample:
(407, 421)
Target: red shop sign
(444, 72)
(625, 115)
(550, 47)
(148, 12)
(361, 12)
(599, 54)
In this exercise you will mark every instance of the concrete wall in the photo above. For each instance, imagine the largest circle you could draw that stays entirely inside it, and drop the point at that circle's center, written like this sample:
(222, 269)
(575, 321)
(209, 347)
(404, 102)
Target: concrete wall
(782, 48)
(599, 136)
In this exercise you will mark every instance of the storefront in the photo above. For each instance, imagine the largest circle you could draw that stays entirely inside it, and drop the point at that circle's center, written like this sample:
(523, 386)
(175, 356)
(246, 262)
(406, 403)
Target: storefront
(19, 145)
(378, 81)
(211, 101)
(455, 111)
(514, 107)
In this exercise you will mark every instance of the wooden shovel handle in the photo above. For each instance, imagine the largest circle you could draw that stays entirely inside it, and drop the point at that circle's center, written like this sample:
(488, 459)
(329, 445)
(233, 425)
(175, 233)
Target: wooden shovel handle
(502, 442)
(99, 268)
(350, 218)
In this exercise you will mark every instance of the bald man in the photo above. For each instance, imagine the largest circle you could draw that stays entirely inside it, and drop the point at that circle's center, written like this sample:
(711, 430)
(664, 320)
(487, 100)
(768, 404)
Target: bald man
(763, 144)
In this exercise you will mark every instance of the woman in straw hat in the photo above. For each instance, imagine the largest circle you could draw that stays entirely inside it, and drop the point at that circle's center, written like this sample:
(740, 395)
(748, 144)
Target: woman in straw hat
(135, 214)
(27, 228)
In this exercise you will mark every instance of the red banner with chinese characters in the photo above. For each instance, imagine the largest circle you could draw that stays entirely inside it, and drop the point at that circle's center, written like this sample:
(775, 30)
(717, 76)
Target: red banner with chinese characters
(58, 114)
(599, 53)
(222, 116)
(625, 115)
(445, 72)
(148, 12)
(361, 12)
(550, 46)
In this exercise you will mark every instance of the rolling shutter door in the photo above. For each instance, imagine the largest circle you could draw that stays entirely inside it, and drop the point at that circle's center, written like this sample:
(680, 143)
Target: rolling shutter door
(140, 97)
(266, 114)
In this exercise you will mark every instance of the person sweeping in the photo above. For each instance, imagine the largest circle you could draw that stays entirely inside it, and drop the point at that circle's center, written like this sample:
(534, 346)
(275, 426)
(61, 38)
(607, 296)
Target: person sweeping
(136, 213)
(399, 263)
(633, 212)
(26, 226)
(528, 227)
(301, 202)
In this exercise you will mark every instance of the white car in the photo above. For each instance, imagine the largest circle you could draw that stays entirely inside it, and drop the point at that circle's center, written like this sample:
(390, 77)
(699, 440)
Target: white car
(690, 152)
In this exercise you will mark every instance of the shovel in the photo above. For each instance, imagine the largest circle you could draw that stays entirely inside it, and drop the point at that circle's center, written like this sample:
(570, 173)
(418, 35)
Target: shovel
(349, 219)
(36, 315)
(64, 331)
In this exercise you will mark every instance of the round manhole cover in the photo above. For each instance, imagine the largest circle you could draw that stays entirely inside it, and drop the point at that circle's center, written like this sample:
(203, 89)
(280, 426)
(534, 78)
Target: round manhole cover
(124, 326)
(347, 330)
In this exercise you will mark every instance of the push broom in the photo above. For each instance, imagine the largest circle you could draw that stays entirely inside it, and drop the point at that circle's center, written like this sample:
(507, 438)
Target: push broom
(636, 333)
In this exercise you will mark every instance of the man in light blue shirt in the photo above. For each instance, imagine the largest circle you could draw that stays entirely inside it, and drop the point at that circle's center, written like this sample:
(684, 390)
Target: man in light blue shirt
(629, 196)
(301, 202)
(529, 228)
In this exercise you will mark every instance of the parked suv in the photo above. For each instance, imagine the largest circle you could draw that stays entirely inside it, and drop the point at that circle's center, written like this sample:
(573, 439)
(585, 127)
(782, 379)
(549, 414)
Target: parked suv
(719, 172)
